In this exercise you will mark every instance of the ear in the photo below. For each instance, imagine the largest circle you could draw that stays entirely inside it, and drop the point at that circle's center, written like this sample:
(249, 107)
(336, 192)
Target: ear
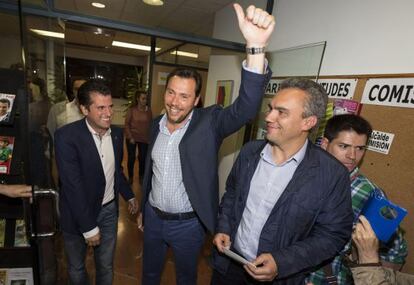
(196, 100)
(84, 110)
(309, 122)
(324, 143)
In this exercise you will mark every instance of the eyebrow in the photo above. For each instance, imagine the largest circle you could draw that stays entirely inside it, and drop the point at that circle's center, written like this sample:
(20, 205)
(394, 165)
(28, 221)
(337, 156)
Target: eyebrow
(277, 108)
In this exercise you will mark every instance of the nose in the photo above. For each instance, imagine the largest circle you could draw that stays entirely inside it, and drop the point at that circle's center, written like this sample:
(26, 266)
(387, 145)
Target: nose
(271, 116)
(351, 153)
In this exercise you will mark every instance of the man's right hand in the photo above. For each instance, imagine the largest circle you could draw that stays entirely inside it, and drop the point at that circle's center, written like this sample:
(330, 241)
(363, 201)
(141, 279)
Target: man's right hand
(94, 240)
(221, 241)
(256, 25)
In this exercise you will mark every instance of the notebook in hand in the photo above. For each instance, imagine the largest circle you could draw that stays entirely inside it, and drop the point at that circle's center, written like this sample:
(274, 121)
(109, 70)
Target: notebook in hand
(383, 215)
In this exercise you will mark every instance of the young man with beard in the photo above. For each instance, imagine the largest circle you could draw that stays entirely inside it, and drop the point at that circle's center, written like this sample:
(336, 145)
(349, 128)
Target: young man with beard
(180, 187)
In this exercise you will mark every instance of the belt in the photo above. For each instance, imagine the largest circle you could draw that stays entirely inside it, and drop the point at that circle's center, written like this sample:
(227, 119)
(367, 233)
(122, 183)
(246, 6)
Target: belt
(173, 216)
(108, 203)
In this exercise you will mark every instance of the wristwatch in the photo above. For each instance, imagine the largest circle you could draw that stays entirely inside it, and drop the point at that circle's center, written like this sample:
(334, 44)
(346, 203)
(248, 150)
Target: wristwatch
(255, 50)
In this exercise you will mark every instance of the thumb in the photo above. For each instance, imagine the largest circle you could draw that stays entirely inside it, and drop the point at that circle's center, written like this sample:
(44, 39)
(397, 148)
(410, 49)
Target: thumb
(239, 13)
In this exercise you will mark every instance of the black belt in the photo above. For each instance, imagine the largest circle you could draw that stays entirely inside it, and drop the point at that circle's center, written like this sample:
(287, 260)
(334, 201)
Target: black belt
(173, 216)
(108, 203)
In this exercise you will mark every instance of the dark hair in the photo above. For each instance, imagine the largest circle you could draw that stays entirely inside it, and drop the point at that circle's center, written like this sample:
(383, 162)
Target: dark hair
(92, 85)
(316, 103)
(188, 73)
(347, 122)
(4, 100)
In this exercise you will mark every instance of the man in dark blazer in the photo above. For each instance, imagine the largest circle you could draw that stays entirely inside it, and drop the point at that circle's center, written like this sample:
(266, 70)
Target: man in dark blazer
(287, 206)
(89, 156)
(180, 187)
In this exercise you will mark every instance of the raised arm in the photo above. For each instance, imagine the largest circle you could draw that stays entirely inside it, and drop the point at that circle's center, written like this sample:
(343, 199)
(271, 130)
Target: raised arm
(257, 26)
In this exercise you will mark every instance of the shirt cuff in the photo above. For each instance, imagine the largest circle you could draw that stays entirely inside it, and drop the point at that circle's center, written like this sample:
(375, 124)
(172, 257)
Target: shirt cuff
(131, 199)
(91, 233)
(255, 70)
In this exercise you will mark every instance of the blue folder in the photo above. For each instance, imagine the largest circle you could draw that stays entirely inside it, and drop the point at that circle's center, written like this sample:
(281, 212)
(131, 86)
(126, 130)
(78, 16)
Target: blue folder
(383, 215)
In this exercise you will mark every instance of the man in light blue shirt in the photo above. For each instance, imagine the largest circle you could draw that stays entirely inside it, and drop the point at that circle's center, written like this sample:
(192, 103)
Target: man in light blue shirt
(287, 207)
(180, 187)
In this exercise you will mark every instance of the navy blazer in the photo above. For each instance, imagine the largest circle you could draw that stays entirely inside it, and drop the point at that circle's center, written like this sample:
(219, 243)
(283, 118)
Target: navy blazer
(309, 224)
(82, 178)
(200, 145)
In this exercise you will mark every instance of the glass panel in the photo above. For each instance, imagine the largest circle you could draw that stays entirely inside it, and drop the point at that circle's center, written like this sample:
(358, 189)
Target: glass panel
(45, 69)
(293, 62)
(297, 61)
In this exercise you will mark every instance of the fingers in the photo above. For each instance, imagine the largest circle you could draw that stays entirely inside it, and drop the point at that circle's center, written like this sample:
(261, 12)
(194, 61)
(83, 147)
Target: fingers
(221, 241)
(259, 17)
(267, 271)
(139, 222)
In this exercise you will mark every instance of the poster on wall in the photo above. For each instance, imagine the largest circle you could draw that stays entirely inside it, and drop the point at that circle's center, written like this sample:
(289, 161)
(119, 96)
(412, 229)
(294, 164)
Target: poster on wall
(346, 106)
(224, 92)
(6, 107)
(6, 153)
(380, 141)
(162, 78)
(396, 92)
(339, 88)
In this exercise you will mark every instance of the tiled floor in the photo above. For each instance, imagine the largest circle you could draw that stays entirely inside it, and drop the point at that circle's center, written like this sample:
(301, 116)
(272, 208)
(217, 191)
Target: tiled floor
(128, 255)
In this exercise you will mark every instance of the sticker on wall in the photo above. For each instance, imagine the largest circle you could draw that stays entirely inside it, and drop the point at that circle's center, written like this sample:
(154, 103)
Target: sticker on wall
(396, 92)
(339, 88)
(380, 141)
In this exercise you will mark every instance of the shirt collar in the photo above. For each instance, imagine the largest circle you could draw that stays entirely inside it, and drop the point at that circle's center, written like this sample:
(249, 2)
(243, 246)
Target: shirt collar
(95, 133)
(266, 154)
(354, 173)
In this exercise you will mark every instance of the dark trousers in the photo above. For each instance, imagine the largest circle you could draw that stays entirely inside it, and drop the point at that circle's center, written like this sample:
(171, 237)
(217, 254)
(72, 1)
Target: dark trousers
(185, 237)
(235, 275)
(75, 249)
(142, 153)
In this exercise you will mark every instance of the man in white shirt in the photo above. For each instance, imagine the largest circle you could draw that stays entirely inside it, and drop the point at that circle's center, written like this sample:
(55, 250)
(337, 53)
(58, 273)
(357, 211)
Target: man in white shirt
(89, 154)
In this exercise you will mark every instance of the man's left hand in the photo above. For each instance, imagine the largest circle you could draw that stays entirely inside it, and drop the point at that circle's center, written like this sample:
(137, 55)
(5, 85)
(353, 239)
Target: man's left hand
(133, 206)
(266, 268)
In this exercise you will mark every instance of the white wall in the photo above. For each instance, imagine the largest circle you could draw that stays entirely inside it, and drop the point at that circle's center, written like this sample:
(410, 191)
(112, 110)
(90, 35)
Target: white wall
(363, 36)
(225, 68)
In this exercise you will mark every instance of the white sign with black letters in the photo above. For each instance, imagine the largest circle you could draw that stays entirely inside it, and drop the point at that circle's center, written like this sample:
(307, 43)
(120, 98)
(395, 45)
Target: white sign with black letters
(380, 141)
(273, 86)
(397, 92)
(339, 88)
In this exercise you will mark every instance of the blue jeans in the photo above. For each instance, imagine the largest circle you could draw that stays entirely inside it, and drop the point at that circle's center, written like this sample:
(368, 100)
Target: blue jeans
(75, 249)
(185, 237)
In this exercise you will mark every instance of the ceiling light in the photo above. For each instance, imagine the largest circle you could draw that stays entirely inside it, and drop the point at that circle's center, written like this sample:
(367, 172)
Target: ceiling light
(48, 33)
(133, 46)
(184, 53)
(154, 2)
(98, 5)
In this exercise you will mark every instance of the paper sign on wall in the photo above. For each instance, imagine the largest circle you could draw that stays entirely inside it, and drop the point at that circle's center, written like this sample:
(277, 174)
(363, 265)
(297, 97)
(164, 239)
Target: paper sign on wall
(397, 92)
(273, 86)
(162, 78)
(339, 88)
(380, 141)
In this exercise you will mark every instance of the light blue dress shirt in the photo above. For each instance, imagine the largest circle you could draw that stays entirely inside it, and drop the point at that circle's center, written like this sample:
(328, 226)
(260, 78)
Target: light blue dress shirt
(267, 185)
(168, 191)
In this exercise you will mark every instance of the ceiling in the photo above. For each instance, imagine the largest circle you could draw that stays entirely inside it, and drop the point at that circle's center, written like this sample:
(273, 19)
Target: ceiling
(191, 17)
(185, 16)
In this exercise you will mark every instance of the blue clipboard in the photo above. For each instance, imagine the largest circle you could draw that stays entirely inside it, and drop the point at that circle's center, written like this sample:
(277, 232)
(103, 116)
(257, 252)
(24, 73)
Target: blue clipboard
(383, 215)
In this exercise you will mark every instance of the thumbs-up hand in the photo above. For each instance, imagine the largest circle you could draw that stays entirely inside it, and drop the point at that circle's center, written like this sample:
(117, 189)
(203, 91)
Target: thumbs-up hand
(256, 25)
